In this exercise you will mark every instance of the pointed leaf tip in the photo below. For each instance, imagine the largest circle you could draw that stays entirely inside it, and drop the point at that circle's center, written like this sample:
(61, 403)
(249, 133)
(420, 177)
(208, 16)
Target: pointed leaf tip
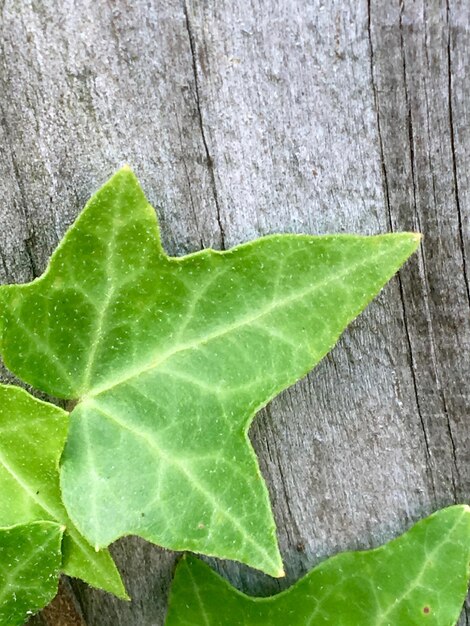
(417, 238)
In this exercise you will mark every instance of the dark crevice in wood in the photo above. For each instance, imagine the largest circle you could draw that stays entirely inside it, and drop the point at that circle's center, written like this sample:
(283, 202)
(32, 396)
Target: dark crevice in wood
(440, 389)
(414, 380)
(377, 113)
(27, 242)
(454, 452)
(428, 108)
(431, 331)
(209, 159)
(292, 517)
(408, 110)
(454, 156)
(391, 226)
(30, 254)
(416, 213)
(4, 266)
(188, 178)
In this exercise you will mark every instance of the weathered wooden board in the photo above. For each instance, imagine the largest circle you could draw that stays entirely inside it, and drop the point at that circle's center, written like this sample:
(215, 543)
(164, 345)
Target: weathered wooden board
(247, 118)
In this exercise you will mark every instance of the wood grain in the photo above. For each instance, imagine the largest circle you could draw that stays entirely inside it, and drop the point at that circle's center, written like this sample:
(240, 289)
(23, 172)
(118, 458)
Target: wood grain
(248, 118)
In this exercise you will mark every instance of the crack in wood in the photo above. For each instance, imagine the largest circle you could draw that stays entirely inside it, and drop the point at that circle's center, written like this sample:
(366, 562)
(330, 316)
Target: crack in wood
(391, 226)
(209, 159)
(454, 155)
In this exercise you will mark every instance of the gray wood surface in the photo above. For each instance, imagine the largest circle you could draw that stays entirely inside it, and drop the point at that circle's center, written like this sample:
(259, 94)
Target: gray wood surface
(247, 118)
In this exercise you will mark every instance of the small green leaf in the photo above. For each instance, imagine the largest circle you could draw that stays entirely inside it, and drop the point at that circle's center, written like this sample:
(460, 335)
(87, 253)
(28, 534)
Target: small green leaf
(421, 578)
(30, 557)
(32, 438)
(170, 359)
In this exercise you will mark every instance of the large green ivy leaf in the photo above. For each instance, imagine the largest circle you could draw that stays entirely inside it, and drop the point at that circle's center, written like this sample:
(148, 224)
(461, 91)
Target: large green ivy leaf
(32, 438)
(420, 578)
(170, 358)
(30, 557)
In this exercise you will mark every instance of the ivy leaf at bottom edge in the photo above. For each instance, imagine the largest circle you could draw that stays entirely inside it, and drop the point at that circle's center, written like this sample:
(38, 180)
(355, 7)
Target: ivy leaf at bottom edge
(419, 578)
(30, 561)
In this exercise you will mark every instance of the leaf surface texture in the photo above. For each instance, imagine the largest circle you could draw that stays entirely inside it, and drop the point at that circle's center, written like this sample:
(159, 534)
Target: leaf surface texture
(30, 558)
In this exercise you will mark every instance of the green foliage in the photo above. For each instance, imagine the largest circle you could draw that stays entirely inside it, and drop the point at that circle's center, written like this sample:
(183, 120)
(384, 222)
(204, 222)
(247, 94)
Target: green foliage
(169, 359)
(32, 438)
(30, 558)
(420, 578)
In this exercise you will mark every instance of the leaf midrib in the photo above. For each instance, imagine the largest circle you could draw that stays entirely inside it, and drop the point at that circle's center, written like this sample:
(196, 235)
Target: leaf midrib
(190, 477)
(334, 277)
